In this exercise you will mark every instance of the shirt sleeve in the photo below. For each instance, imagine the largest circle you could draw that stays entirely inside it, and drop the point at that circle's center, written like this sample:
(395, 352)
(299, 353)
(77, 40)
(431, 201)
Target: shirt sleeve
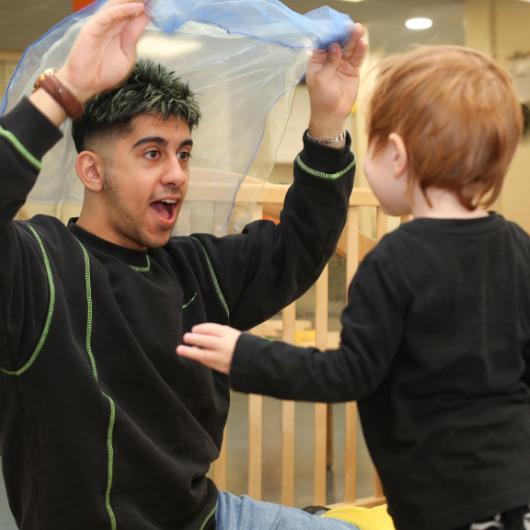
(267, 266)
(372, 325)
(25, 136)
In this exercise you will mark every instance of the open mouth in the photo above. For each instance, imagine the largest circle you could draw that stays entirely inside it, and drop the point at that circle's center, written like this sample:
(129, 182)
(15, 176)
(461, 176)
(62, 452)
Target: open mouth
(166, 209)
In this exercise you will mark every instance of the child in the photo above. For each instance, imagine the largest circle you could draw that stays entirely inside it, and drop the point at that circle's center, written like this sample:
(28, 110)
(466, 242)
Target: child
(435, 345)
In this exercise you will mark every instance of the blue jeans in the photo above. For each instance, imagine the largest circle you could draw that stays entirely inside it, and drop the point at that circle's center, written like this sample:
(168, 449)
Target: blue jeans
(243, 513)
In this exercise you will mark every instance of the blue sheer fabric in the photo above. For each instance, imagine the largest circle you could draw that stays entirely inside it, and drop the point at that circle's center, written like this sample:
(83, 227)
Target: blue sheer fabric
(243, 58)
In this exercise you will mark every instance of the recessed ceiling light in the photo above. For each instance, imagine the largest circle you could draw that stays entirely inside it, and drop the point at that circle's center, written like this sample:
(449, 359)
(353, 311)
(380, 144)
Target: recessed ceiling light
(418, 23)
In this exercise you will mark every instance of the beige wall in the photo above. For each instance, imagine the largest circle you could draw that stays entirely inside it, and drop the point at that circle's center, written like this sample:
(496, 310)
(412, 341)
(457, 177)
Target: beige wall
(500, 27)
(8, 61)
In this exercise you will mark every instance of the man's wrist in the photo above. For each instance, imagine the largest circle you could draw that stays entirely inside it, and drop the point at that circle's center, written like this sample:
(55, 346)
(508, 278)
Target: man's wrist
(338, 140)
(329, 132)
(82, 95)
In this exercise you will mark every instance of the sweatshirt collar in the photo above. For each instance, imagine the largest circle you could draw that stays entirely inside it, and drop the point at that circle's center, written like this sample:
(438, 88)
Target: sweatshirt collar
(134, 258)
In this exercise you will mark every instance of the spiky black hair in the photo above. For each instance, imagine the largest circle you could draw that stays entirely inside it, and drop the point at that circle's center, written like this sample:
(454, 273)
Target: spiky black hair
(150, 89)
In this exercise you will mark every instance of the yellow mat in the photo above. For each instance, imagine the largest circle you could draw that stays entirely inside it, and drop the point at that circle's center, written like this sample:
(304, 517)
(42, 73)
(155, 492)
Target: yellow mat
(365, 518)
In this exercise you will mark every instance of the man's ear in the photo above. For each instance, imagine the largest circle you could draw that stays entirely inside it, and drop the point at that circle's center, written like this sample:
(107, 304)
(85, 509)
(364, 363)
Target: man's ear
(90, 169)
(399, 154)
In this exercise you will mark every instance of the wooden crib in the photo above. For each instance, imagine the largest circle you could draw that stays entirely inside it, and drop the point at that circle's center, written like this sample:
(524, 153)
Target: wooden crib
(364, 212)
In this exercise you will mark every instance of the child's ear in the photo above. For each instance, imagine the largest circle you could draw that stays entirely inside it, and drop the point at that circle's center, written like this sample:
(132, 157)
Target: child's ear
(90, 169)
(399, 154)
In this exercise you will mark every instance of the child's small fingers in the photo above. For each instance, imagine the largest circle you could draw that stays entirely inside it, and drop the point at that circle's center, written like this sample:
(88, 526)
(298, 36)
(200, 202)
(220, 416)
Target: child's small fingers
(208, 328)
(201, 340)
(196, 354)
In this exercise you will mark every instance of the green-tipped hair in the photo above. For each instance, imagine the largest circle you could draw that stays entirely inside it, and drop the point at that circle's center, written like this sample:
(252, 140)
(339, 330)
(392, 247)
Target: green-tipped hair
(150, 89)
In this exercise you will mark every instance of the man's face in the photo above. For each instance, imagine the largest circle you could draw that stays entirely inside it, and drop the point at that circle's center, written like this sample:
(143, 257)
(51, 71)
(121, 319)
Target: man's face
(146, 180)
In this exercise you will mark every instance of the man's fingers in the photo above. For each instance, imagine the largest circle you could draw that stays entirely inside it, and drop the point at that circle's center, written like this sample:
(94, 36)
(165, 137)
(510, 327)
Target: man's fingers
(133, 32)
(356, 35)
(111, 3)
(360, 51)
(329, 69)
(111, 15)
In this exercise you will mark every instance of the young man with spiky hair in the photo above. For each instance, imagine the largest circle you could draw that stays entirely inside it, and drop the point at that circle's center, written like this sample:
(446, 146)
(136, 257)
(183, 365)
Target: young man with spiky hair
(102, 425)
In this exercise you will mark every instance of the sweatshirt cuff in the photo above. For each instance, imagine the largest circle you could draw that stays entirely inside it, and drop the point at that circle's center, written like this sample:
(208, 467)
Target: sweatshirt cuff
(326, 162)
(246, 346)
(34, 132)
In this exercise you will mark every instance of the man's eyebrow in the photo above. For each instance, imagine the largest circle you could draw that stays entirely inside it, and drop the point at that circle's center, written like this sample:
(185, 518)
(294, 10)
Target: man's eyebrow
(161, 141)
(151, 140)
(186, 143)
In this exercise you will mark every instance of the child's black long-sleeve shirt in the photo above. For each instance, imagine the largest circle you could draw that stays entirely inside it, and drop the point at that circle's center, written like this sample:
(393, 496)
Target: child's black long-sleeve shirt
(435, 347)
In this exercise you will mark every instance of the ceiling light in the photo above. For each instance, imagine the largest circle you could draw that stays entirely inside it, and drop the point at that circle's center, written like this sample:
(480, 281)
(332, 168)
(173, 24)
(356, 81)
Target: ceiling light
(418, 23)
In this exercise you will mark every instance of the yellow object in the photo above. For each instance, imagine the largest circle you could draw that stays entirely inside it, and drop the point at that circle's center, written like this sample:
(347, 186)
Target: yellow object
(365, 518)
(302, 336)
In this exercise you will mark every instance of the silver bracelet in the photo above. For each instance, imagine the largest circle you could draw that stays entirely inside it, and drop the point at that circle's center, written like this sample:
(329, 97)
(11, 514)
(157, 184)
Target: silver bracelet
(331, 140)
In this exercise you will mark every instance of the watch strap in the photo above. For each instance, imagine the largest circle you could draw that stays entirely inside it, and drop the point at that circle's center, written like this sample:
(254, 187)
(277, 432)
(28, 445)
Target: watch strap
(48, 81)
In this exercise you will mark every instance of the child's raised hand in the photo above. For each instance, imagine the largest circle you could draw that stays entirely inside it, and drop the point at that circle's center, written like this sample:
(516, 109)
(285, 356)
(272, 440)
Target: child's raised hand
(210, 344)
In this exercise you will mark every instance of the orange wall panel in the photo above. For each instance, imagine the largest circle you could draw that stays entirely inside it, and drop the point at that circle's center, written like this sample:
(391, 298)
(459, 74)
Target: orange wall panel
(79, 4)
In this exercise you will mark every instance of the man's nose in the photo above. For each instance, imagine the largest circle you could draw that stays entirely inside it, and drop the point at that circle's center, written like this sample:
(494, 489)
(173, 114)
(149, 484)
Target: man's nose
(174, 173)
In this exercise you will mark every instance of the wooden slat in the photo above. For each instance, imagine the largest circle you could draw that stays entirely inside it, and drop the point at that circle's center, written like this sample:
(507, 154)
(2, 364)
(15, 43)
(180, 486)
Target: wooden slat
(255, 433)
(319, 486)
(350, 453)
(255, 445)
(321, 328)
(352, 243)
(275, 194)
(288, 420)
(350, 425)
(378, 487)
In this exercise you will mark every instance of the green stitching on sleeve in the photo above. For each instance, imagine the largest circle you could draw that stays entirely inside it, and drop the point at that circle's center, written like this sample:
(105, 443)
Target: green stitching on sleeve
(147, 268)
(208, 517)
(190, 302)
(88, 287)
(112, 414)
(8, 135)
(327, 176)
(216, 285)
(110, 461)
(51, 307)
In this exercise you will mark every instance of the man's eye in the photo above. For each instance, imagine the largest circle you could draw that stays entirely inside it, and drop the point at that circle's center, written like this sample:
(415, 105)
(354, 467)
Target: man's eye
(152, 155)
(184, 155)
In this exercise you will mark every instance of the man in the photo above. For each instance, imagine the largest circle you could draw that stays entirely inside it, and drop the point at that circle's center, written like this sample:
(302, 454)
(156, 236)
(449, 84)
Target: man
(102, 425)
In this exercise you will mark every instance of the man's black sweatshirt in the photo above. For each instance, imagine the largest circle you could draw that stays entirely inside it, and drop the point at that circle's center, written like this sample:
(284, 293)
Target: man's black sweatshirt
(102, 425)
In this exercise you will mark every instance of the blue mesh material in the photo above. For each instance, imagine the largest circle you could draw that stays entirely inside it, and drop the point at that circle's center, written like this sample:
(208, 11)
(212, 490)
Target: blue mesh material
(243, 58)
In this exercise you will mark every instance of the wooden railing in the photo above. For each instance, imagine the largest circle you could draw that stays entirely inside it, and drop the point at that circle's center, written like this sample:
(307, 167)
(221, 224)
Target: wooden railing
(364, 212)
